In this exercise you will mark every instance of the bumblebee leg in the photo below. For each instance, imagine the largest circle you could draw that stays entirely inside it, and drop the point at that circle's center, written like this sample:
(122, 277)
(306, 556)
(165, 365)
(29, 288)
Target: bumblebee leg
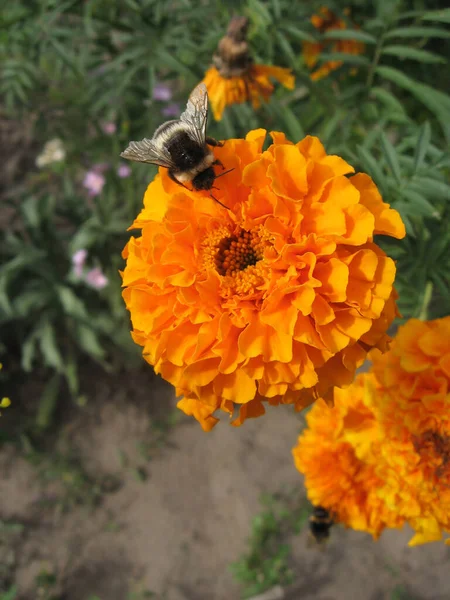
(219, 162)
(212, 142)
(175, 180)
(218, 201)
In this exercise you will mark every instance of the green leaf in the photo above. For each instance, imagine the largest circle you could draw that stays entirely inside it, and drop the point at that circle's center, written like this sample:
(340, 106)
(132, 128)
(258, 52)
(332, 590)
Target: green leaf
(391, 157)
(71, 304)
(48, 402)
(350, 34)
(31, 301)
(49, 346)
(294, 129)
(419, 205)
(71, 374)
(286, 47)
(422, 146)
(344, 57)
(28, 351)
(30, 212)
(169, 61)
(370, 164)
(408, 52)
(388, 99)
(442, 285)
(11, 594)
(437, 102)
(443, 16)
(415, 32)
(298, 34)
(87, 234)
(29, 256)
(259, 12)
(430, 188)
(89, 342)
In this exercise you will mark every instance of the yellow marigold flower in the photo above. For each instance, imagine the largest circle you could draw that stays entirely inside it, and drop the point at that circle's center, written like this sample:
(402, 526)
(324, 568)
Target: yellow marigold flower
(253, 85)
(276, 299)
(328, 21)
(412, 404)
(338, 475)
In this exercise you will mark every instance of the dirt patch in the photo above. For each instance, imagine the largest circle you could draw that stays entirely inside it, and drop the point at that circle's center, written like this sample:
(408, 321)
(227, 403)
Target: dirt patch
(182, 510)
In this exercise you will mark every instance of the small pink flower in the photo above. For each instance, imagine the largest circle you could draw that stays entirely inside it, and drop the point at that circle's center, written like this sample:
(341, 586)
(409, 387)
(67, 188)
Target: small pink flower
(162, 92)
(124, 170)
(79, 257)
(94, 182)
(96, 279)
(78, 260)
(171, 110)
(109, 128)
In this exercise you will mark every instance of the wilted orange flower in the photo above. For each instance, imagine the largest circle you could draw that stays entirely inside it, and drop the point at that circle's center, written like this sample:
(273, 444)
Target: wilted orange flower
(276, 299)
(412, 404)
(328, 21)
(252, 86)
(332, 455)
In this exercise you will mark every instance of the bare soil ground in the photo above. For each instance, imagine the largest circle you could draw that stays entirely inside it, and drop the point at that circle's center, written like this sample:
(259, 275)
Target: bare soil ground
(176, 508)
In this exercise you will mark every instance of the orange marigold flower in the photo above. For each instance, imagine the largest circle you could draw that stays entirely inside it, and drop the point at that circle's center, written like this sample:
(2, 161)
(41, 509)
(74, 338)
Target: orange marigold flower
(253, 85)
(328, 21)
(332, 455)
(412, 405)
(276, 299)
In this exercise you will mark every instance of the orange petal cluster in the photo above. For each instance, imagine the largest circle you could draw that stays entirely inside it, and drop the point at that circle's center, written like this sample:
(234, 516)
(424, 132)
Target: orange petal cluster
(393, 439)
(412, 405)
(332, 454)
(252, 86)
(276, 299)
(323, 22)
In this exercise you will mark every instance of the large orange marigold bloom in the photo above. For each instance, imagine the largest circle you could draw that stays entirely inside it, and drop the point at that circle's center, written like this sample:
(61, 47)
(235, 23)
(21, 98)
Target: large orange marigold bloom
(412, 405)
(323, 22)
(252, 86)
(332, 455)
(276, 299)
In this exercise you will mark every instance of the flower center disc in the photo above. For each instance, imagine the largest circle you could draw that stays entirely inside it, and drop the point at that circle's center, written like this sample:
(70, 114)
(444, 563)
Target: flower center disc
(237, 252)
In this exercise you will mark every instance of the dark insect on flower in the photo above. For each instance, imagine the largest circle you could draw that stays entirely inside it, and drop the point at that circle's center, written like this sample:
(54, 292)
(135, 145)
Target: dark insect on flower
(320, 523)
(182, 146)
(232, 58)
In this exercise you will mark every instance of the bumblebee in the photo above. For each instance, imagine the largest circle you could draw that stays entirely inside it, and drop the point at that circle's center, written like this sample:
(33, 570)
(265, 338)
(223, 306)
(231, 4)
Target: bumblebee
(182, 146)
(232, 58)
(320, 523)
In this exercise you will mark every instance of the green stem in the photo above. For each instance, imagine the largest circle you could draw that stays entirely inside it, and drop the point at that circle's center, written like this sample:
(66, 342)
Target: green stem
(375, 61)
(427, 295)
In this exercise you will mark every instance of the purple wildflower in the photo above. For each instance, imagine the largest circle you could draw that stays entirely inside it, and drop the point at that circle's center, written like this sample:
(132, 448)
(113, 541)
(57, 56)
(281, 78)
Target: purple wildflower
(94, 182)
(171, 110)
(162, 92)
(96, 278)
(78, 260)
(124, 170)
(109, 128)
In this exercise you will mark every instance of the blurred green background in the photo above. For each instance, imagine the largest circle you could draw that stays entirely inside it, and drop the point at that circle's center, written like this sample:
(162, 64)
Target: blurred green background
(80, 79)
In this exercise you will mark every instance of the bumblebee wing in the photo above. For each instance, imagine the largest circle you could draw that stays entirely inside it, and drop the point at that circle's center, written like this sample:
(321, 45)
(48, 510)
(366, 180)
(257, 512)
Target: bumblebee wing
(146, 151)
(196, 113)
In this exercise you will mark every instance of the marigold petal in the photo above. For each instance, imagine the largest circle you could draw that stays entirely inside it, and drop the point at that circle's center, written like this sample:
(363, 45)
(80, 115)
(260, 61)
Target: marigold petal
(236, 386)
(334, 278)
(387, 220)
(288, 172)
(199, 411)
(251, 410)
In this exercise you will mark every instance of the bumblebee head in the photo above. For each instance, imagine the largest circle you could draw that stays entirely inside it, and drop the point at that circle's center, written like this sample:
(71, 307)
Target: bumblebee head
(204, 180)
